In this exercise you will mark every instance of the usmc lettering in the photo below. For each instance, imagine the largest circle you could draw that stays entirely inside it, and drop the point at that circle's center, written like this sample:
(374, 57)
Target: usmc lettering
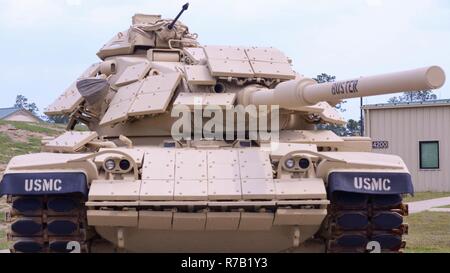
(342, 88)
(372, 184)
(43, 185)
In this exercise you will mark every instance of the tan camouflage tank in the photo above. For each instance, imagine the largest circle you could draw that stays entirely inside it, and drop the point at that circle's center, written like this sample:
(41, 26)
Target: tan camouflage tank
(133, 183)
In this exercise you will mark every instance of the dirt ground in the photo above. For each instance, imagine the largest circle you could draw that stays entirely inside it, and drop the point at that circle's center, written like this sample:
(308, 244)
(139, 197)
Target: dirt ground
(19, 135)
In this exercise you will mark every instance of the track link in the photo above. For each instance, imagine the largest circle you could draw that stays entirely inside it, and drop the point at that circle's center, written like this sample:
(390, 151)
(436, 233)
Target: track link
(356, 219)
(46, 224)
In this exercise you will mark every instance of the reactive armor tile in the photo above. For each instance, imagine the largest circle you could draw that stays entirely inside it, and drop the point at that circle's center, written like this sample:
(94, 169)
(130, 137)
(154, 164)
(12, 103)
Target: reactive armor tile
(226, 53)
(255, 164)
(230, 68)
(126, 93)
(191, 190)
(157, 190)
(133, 73)
(191, 165)
(199, 75)
(196, 54)
(117, 112)
(266, 54)
(159, 164)
(258, 189)
(273, 70)
(223, 164)
(71, 141)
(225, 189)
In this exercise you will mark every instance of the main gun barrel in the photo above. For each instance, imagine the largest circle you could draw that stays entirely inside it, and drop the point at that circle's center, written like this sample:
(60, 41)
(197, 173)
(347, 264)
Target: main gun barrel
(305, 91)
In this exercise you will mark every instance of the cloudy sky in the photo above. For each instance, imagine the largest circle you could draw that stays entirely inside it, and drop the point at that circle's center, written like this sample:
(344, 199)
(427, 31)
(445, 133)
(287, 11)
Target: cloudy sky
(46, 44)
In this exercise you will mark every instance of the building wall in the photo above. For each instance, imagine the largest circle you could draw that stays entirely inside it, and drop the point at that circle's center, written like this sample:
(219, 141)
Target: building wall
(21, 116)
(404, 128)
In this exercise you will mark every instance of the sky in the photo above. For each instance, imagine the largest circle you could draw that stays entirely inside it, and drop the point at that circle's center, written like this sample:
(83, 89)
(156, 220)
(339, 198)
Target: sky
(46, 44)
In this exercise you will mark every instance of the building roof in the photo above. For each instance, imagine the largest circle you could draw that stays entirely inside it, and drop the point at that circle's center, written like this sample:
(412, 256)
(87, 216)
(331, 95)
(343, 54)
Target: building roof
(432, 103)
(6, 112)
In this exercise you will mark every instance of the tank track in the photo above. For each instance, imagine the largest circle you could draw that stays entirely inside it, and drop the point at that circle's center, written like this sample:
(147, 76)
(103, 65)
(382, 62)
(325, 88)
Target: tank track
(356, 219)
(46, 224)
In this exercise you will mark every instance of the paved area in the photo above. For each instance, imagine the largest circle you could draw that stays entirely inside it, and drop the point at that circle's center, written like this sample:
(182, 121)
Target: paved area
(4, 251)
(420, 206)
(440, 210)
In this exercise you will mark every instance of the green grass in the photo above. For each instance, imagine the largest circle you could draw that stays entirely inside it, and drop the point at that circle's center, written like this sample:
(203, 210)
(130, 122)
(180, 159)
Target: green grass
(420, 196)
(3, 241)
(10, 148)
(33, 127)
(429, 232)
(445, 207)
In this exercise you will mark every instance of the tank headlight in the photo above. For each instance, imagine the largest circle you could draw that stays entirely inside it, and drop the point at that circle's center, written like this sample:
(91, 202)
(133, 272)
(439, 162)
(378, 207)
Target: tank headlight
(110, 165)
(289, 164)
(124, 165)
(304, 163)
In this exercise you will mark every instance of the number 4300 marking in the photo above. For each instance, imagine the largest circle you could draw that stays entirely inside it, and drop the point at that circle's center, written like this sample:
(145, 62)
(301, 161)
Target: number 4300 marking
(74, 247)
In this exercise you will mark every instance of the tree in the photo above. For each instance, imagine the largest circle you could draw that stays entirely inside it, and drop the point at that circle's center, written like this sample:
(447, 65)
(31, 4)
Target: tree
(353, 128)
(22, 102)
(425, 95)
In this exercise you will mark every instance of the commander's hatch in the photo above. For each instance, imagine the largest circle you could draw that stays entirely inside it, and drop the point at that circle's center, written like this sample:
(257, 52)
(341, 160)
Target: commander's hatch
(147, 96)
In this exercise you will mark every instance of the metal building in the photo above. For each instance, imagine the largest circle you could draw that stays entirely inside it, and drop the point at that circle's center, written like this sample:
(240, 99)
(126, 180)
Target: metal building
(420, 134)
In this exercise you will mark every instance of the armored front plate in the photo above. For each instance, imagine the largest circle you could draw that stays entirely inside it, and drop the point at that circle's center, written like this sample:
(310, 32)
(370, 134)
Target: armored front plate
(189, 221)
(155, 220)
(222, 220)
(266, 54)
(112, 218)
(256, 221)
(116, 190)
(299, 217)
(71, 141)
(307, 189)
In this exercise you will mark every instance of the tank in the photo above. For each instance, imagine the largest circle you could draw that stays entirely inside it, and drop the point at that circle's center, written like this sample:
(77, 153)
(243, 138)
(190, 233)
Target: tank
(133, 183)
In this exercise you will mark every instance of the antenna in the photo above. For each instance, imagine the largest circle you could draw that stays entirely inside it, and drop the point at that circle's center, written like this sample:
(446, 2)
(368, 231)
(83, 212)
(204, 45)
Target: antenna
(185, 8)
